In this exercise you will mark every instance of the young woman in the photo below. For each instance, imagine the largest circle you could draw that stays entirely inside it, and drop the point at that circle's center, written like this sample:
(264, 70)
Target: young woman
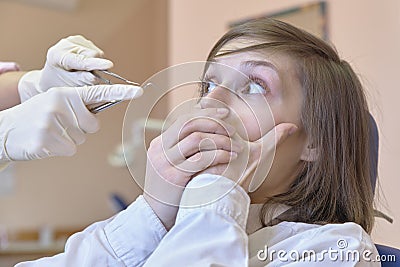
(317, 195)
(316, 198)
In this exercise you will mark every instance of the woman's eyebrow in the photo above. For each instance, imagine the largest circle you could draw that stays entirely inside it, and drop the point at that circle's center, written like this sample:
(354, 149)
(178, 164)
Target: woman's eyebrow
(256, 63)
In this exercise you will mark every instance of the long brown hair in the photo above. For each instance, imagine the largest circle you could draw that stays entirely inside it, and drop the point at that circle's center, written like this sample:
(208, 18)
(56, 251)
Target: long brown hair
(336, 187)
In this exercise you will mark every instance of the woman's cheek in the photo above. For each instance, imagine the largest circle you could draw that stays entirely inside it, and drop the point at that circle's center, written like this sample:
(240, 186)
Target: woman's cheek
(252, 123)
(261, 124)
(252, 128)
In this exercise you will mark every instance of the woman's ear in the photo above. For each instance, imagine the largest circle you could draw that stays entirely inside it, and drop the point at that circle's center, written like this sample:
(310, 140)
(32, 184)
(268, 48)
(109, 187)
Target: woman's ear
(309, 153)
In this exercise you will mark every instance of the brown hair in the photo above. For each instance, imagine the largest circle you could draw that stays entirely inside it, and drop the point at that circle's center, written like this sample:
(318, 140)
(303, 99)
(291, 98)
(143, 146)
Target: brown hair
(335, 188)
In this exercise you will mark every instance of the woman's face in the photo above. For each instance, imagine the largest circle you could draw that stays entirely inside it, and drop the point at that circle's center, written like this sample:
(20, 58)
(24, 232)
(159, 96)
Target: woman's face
(269, 94)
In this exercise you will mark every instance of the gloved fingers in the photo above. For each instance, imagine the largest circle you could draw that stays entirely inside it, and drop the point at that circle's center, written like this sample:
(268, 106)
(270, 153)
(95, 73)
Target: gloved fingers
(72, 111)
(69, 125)
(80, 119)
(83, 42)
(50, 145)
(82, 78)
(74, 61)
(71, 132)
(60, 146)
(101, 93)
(84, 119)
(79, 51)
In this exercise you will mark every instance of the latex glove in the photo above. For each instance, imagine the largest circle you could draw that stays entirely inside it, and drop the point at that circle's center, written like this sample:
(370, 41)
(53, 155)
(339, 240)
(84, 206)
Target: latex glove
(68, 63)
(55, 122)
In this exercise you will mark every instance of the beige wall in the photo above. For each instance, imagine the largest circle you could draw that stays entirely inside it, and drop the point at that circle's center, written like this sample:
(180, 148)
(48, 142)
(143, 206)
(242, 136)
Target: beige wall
(366, 33)
(74, 192)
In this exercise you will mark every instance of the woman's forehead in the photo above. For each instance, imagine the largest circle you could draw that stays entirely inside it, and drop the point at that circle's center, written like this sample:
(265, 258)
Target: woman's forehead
(258, 58)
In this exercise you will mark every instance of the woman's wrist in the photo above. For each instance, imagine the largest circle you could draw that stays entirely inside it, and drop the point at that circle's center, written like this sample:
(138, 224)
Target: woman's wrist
(165, 212)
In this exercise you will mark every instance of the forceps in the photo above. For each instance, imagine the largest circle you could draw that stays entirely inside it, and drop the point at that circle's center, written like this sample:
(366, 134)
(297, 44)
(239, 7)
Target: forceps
(111, 103)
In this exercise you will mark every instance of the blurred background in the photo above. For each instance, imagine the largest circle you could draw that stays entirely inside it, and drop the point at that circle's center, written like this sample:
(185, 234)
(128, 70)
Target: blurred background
(45, 201)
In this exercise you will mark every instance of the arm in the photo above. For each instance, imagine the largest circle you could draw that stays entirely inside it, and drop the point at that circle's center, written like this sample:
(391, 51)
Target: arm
(124, 240)
(9, 95)
(210, 234)
(9, 78)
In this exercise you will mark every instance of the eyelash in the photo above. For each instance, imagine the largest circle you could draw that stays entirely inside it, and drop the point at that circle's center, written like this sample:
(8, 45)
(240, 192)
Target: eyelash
(259, 81)
(206, 80)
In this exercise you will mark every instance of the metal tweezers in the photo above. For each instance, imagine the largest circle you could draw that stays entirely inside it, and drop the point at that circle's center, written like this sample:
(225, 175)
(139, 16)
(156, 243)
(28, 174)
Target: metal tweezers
(111, 103)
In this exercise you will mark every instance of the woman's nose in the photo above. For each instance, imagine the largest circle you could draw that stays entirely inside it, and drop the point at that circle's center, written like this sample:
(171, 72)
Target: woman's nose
(218, 98)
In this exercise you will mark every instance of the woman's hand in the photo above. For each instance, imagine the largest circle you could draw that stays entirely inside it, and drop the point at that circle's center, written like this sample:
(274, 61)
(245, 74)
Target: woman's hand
(251, 167)
(190, 145)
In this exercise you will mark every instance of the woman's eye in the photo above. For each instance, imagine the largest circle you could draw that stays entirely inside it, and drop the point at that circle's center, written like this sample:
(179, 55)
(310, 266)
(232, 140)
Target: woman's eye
(208, 86)
(255, 88)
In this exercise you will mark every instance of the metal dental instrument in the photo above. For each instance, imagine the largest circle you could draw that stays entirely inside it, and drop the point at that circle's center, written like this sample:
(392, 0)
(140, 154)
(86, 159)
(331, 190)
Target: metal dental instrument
(106, 105)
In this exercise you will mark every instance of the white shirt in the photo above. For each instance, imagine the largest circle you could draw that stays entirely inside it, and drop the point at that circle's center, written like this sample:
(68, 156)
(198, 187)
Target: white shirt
(209, 235)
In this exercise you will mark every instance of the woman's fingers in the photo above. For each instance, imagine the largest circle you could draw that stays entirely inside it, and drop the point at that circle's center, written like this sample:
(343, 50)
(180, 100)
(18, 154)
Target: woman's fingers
(203, 160)
(283, 131)
(206, 124)
(204, 120)
(263, 151)
(218, 169)
(278, 134)
(200, 141)
(191, 144)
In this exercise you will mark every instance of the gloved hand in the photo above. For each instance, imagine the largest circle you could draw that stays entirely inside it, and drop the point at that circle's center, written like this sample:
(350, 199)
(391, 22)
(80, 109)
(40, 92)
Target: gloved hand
(69, 63)
(55, 122)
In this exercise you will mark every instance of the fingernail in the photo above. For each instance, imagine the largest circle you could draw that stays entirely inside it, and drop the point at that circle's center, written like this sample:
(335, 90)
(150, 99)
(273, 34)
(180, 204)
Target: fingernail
(234, 155)
(292, 130)
(222, 111)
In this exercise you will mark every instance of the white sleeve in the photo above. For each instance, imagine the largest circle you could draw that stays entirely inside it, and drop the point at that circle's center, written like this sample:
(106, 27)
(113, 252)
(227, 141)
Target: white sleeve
(124, 240)
(209, 234)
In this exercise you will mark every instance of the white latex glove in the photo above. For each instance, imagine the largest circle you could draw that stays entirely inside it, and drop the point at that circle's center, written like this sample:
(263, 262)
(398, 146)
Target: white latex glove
(55, 122)
(69, 63)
